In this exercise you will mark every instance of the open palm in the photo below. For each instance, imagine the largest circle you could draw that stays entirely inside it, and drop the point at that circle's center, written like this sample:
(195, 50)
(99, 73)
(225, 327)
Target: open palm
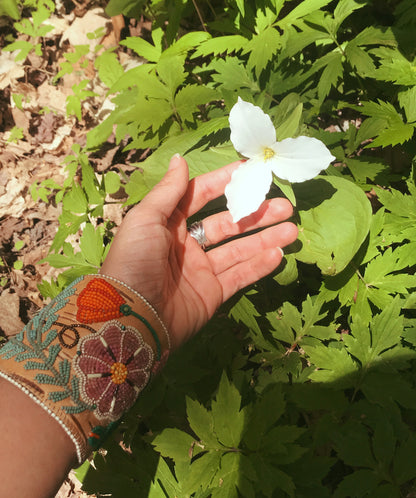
(154, 253)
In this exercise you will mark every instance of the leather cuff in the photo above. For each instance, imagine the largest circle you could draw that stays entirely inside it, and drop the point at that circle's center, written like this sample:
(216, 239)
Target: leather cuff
(86, 356)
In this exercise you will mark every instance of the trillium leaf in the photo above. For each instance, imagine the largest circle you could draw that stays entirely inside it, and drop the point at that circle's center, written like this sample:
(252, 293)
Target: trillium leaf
(335, 220)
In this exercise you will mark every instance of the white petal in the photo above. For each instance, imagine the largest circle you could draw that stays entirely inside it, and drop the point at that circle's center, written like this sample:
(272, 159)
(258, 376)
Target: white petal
(300, 159)
(248, 187)
(251, 129)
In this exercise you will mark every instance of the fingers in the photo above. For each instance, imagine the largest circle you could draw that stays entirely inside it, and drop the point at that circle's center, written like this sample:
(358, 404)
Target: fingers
(165, 196)
(244, 249)
(243, 274)
(205, 188)
(219, 227)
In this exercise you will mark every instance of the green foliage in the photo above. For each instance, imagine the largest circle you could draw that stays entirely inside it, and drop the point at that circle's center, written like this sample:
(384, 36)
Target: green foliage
(304, 385)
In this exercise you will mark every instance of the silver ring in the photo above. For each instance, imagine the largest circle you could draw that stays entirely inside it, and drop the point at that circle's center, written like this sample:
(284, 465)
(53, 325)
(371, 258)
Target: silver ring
(196, 230)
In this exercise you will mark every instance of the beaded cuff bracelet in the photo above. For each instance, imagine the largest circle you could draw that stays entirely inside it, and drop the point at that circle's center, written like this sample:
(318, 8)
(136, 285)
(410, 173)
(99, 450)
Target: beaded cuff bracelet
(87, 355)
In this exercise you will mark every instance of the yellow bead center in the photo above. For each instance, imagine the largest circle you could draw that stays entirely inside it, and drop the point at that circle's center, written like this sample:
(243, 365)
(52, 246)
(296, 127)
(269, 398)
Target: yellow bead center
(268, 153)
(118, 373)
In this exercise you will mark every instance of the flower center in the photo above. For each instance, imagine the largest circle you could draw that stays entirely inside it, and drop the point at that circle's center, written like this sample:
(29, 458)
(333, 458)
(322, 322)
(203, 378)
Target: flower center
(118, 372)
(268, 153)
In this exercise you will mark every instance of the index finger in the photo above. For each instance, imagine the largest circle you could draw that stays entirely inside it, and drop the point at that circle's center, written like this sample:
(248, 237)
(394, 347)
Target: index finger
(205, 188)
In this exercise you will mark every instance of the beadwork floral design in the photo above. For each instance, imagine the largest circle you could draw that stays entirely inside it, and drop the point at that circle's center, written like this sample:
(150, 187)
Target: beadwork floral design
(99, 302)
(113, 367)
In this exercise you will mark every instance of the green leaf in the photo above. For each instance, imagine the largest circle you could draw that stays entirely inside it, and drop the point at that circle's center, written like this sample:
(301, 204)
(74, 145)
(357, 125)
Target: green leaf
(174, 444)
(143, 48)
(228, 418)
(24, 46)
(265, 413)
(171, 71)
(75, 200)
(109, 68)
(190, 97)
(335, 366)
(335, 219)
(360, 483)
(130, 8)
(112, 182)
(220, 45)
(91, 244)
(201, 422)
(10, 8)
(245, 312)
(262, 48)
(303, 9)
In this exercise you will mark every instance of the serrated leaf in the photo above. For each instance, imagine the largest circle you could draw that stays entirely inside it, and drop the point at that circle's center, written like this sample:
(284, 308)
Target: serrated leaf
(189, 97)
(201, 472)
(91, 244)
(331, 74)
(264, 414)
(228, 418)
(303, 9)
(174, 444)
(220, 45)
(359, 483)
(109, 68)
(201, 422)
(171, 71)
(143, 48)
(335, 365)
(335, 219)
(262, 48)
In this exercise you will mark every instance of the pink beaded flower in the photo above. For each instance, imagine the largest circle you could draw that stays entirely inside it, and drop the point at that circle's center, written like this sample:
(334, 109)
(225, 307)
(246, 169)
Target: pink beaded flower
(113, 366)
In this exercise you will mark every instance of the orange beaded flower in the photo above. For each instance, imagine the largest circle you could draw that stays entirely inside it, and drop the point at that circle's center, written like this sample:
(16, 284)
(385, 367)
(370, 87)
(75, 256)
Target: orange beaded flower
(98, 302)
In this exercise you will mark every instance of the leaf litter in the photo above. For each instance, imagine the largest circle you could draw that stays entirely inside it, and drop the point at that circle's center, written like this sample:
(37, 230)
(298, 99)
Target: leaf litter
(35, 137)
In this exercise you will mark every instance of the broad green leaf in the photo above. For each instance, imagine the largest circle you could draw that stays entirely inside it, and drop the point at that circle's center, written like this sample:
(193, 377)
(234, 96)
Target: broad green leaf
(220, 45)
(404, 467)
(174, 444)
(335, 219)
(228, 418)
(331, 74)
(360, 483)
(189, 97)
(156, 165)
(262, 48)
(245, 312)
(231, 74)
(201, 422)
(266, 411)
(10, 8)
(171, 71)
(75, 200)
(407, 100)
(91, 244)
(112, 182)
(109, 68)
(303, 9)
(130, 8)
(142, 48)
(343, 9)
(335, 366)
(201, 472)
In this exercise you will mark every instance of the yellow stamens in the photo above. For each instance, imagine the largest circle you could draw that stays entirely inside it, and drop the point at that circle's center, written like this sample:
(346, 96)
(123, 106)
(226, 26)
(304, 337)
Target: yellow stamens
(118, 373)
(268, 153)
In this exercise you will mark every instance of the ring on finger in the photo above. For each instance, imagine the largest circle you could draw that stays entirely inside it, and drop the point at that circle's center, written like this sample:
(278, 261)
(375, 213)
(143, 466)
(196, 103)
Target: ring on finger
(196, 230)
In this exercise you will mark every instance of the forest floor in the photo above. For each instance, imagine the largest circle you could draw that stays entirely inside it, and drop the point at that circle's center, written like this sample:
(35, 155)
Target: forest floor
(36, 135)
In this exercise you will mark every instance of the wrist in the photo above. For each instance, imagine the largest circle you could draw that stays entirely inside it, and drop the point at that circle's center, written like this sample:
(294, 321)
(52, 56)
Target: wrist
(87, 355)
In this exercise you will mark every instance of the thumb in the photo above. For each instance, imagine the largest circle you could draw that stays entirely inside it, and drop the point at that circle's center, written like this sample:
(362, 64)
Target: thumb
(165, 196)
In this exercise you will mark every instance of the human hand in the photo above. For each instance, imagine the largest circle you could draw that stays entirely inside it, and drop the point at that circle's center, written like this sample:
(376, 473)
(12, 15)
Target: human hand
(154, 254)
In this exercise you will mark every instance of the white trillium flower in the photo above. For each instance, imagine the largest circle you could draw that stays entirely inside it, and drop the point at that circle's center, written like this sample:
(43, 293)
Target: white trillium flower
(254, 136)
